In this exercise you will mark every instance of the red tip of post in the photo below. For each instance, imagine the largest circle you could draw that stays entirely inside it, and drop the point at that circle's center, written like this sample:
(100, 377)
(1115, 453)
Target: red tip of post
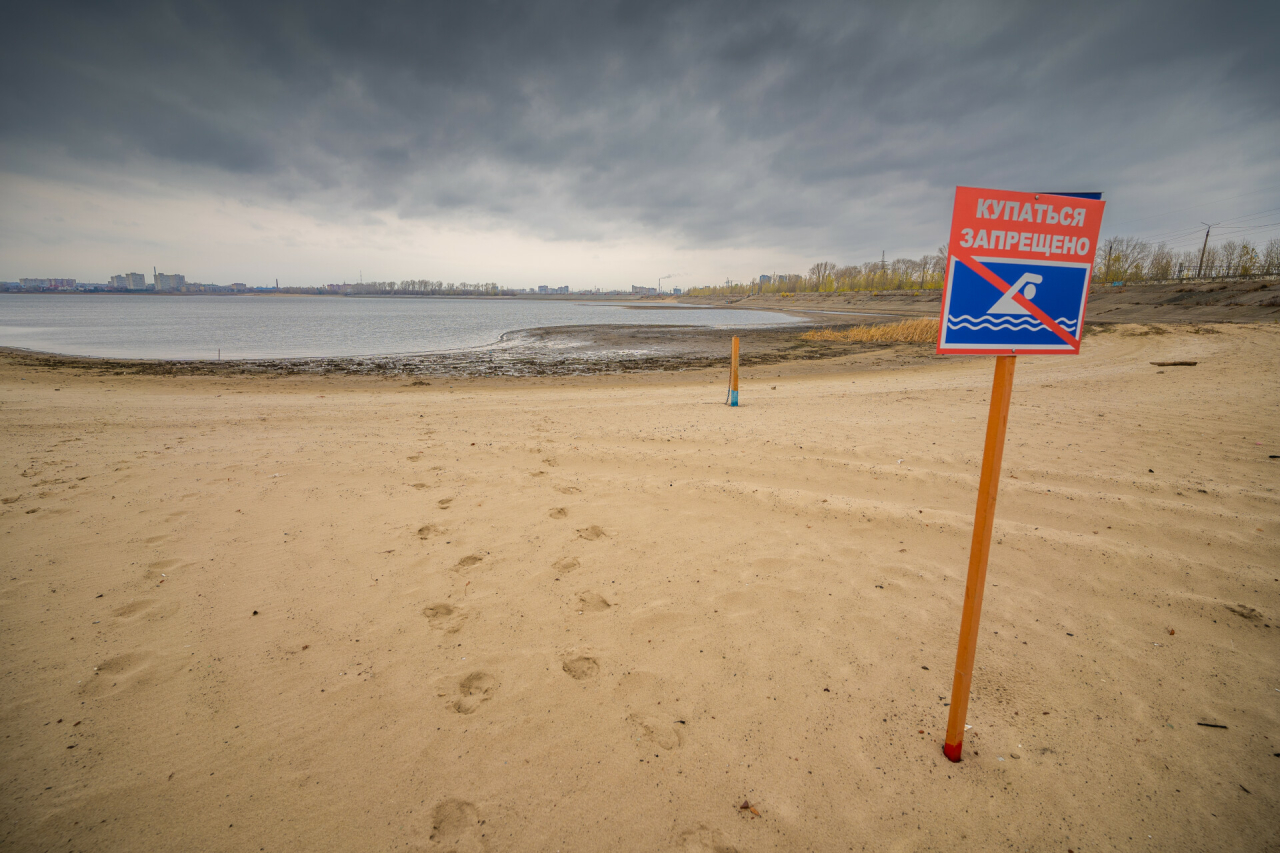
(952, 750)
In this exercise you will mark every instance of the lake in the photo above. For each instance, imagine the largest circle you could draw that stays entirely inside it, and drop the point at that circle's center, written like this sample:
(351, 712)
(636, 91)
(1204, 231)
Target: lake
(197, 327)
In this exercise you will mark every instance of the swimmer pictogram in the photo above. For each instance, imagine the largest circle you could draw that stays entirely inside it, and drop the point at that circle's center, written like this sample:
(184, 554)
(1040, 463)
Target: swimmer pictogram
(1006, 305)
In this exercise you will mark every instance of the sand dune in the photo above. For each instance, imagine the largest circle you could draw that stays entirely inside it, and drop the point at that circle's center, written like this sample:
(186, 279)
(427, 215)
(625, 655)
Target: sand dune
(308, 613)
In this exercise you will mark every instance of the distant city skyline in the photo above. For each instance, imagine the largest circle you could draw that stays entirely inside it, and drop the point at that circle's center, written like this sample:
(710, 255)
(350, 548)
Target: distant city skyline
(609, 145)
(176, 283)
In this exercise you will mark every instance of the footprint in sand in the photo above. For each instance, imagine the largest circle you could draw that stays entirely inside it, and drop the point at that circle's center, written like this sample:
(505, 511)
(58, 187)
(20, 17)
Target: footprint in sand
(704, 840)
(476, 689)
(565, 564)
(413, 458)
(120, 664)
(581, 667)
(426, 531)
(592, 602)
(122, 672)
(559, 512)
(1245, 611)
(446, 617)
(148, 608)
(656, 731)
(467, 562)
(591, 533)
(568, 490)
(443, 503)
(456, 826)
(133, 608)
(418, 485)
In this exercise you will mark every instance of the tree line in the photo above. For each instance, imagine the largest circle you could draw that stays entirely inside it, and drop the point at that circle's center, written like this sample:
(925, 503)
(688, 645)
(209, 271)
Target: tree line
(1132, 259)
(420, 287)
(923, 273)
(1117, 259)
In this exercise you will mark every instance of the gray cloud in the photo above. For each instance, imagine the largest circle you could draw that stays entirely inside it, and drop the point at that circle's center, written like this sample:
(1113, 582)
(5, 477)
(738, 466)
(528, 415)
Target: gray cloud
(829, 128)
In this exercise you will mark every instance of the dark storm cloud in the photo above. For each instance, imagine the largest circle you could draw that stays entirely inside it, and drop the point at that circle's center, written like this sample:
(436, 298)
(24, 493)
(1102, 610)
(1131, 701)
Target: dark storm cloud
(823, 126)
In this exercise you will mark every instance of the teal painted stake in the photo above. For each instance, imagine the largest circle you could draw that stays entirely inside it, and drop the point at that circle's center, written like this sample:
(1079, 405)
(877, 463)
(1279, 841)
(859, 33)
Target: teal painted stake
(733, 398)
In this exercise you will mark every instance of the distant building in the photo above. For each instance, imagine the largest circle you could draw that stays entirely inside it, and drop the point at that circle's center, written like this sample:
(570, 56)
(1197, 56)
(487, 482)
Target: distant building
(47, 283)
(239, 286)
(129, 281)
(676, 291)
(647, 291)
(164, 281)
(542, 288)
(766, 279)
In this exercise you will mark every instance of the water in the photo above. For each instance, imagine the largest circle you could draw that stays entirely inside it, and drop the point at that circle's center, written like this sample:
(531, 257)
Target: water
(196, 327)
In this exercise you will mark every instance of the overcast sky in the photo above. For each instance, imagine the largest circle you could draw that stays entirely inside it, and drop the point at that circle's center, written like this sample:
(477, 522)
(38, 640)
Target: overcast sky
(607, 144)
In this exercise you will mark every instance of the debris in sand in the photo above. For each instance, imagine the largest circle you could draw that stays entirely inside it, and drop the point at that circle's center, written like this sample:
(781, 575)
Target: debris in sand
(1175, 363)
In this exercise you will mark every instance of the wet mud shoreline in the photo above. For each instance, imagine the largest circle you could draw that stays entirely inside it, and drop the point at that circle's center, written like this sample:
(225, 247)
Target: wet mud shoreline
(551, 351)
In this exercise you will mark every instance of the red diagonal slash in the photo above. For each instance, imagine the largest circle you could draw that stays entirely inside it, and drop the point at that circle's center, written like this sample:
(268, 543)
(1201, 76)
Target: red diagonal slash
(998, 283)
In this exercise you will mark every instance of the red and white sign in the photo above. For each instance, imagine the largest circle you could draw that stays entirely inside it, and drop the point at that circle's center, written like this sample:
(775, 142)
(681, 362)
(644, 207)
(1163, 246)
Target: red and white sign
(1018, 272)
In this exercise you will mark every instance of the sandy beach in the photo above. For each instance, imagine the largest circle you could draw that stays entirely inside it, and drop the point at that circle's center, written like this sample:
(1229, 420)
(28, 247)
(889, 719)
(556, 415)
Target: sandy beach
(297, 612)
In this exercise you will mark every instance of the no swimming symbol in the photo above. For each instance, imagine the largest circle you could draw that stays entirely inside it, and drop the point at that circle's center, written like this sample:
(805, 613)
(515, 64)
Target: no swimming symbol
(1039, 311)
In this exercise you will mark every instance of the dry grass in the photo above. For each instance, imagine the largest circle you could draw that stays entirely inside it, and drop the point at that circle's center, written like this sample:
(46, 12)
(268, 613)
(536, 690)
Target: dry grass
(921, 331)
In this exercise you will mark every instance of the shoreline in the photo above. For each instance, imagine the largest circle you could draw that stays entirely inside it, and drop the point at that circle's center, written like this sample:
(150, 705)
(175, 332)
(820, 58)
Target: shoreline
(579, 350)
(538, 351)
(566, 351)
(529, 350)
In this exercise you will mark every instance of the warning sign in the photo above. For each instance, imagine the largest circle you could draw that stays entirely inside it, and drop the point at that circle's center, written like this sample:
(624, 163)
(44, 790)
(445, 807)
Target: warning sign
(1018, 272)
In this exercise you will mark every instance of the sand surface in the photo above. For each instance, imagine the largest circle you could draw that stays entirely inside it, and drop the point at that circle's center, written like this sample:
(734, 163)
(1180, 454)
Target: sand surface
(343, 613)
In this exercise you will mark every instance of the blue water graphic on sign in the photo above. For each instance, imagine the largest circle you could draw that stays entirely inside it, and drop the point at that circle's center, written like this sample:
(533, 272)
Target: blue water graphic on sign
(979, 315)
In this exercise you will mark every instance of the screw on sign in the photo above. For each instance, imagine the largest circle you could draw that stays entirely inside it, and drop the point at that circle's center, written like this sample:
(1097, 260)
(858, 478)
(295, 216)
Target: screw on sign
(1018, 272)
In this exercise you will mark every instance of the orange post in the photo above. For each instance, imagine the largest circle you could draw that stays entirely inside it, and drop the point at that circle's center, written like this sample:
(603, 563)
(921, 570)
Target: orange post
(733, 374)
(979, 551)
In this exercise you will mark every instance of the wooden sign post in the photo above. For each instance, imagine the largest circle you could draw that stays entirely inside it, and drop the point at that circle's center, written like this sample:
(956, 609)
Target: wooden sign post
(979, 551)
(1017, 280)
(733, 374)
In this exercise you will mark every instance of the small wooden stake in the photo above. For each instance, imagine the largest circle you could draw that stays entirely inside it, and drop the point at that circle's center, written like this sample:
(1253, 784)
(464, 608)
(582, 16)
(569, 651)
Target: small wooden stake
(979, 550)
(733, 374)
